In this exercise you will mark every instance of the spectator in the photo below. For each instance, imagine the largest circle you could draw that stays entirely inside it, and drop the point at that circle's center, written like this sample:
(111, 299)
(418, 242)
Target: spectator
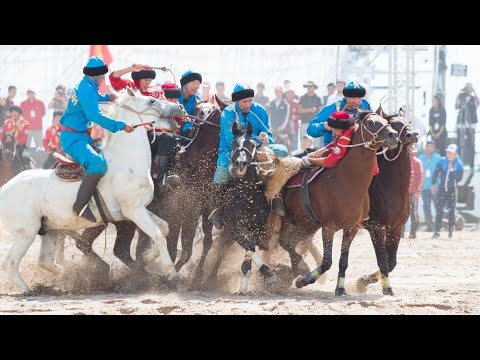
(279, 113)
(292, 126)
(18, 126)
(330, 91)
(59, 101)
(51, 140)
(416, 181)
(429, 160)
(6, 103)
(340, 85)
(34, 111)
(309, 105)
(287, 85)
(437, 125)
(467, 103)
(448, 174)
(206, 96)
(220, 88)
(261, 99)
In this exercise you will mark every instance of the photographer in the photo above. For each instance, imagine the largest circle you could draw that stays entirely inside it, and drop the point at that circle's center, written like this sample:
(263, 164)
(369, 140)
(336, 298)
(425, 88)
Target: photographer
(467, 103)
(59, 101)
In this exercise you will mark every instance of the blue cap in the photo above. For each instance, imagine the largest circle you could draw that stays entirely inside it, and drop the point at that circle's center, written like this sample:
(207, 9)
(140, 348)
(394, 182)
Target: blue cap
(354, 89)
(95, 66)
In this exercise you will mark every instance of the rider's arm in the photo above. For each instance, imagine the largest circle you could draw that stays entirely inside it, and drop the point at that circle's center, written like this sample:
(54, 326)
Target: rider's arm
(89, 103)
(316, 128)
(264, 125)
(119, 83)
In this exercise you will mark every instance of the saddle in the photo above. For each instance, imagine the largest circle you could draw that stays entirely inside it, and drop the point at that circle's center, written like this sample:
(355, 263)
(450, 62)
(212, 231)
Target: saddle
(68, 169)
(296, 181)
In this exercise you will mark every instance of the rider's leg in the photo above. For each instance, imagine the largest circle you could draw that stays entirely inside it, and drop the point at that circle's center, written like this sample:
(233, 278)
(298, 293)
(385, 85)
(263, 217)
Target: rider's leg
(96, 166)
(166, 144)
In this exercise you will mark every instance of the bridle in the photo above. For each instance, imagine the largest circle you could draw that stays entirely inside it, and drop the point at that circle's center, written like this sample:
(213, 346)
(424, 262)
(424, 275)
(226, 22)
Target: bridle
(198, 126)
(373, 141)
(401, 144)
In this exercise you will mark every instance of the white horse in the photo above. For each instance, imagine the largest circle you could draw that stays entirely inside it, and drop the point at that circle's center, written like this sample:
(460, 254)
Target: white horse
(34, 197)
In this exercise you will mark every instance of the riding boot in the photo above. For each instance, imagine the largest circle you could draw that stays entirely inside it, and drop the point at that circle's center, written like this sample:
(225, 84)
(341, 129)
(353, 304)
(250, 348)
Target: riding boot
(277, 206)
(164, 180)
(85, 193)
(216, 198)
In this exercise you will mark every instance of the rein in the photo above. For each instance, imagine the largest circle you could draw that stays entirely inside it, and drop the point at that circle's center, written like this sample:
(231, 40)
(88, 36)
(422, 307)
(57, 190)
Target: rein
(401, 145)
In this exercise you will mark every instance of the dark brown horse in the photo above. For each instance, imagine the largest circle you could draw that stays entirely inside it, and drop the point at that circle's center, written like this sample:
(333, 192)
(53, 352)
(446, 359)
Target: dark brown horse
(11, 162)
(181, 207)
(339, 198)
(389, 203)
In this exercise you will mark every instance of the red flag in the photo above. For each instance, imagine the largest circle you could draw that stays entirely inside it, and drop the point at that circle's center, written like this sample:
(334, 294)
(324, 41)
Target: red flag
(103, 53)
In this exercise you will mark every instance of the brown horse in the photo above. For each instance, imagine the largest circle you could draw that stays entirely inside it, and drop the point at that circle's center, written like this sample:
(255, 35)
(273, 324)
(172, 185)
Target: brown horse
(11, 163)
(389, 203)
(339, 198)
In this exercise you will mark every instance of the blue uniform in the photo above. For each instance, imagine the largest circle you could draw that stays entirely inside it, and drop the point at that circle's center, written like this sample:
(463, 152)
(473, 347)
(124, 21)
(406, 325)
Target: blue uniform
(258, 117)
(189, 105)
(83, 108)
(316, 128)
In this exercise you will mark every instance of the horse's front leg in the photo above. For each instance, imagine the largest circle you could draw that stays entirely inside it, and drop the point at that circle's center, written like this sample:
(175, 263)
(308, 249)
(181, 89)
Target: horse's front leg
(348, 236)
(144, 219)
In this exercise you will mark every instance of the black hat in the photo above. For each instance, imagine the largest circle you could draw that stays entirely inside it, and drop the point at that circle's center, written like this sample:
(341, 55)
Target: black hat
(190, 76)
(15, 108)
(354, 89)
(144, 74)
(239, 93)
(340, 120)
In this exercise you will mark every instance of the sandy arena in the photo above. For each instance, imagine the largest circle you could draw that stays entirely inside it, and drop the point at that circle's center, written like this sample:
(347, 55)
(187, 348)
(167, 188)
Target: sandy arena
(438, 276)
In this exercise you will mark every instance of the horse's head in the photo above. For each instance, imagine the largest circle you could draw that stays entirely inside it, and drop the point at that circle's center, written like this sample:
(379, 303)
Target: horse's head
(376, 131)
(148, 109)
(406, 133)
(204, 109)
(8, 147)
(243, 150)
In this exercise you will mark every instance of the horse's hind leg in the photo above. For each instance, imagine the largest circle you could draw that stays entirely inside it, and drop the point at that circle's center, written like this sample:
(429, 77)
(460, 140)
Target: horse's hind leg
(246, 273)
(207, 245)
(189, 229)
(48, 250)
(287, 240)
(392, 241)
(348, 236)
(18, 250)
(123, 241)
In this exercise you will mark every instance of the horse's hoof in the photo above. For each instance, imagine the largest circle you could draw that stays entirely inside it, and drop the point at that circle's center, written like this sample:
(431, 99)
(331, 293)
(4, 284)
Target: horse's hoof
(388, 291)
(175, 279)
(340, 292)
(361, 286)
(299, 283)
(271, 280)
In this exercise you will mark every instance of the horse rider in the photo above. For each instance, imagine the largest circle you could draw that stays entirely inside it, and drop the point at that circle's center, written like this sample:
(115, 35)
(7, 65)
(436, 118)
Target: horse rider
(353, 101)
(83, 109)
(19, 126)
(162, 144)
(190, 83)
(245, 111)
(343, 126)
(51, 140)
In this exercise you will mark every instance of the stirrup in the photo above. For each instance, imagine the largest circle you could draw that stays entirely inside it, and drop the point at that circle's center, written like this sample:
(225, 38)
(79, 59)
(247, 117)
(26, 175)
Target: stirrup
(87, 213)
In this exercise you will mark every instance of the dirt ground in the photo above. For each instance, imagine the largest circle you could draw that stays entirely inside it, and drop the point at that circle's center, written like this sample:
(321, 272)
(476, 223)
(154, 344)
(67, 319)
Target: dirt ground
(438, 276)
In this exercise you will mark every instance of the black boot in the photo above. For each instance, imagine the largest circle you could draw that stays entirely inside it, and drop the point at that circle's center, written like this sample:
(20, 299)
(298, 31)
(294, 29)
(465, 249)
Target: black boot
(85, 193)
(277, 206)
(216, 198)
(429, 224)
(164, 180)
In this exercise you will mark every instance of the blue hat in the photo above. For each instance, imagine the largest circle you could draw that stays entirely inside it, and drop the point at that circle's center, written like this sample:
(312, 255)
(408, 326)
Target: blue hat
(239, 93)
(354, 89)
(431, 141)
(95, 66)
(189, 76)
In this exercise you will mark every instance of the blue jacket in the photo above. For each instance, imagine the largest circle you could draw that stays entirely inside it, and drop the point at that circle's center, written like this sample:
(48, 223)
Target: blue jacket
(257, 116)
(429, 167)
(189, 105)
(83, 108)
(441, 172)
(316, 128)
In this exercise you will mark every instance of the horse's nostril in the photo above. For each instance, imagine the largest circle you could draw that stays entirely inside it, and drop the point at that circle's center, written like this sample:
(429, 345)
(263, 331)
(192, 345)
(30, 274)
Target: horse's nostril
(391, 135)
(409, 135)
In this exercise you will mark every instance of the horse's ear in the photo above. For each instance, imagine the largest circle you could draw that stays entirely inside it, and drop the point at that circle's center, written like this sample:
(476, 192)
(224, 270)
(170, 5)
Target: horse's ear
(220, 103)
(235, 128)
(130, 92)
(249, 130)
(401, 112)
(379, 110)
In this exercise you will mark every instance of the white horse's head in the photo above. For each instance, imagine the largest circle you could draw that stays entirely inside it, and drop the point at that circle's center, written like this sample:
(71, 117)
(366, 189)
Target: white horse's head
(146, 109)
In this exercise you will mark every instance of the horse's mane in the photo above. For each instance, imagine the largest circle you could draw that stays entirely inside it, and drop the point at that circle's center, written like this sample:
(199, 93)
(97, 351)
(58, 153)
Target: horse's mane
(112, 111)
